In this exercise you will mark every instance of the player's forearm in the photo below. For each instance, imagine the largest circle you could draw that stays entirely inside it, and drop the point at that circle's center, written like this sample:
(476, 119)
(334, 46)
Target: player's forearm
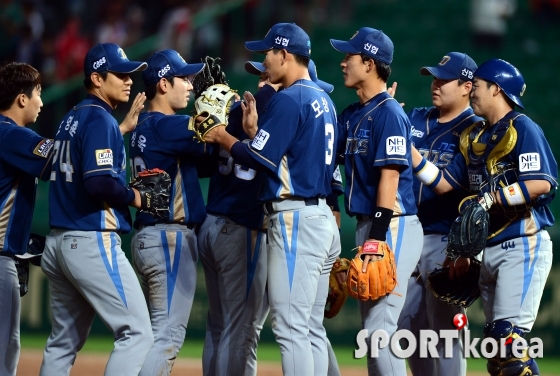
(521, 192)
(223, 138)
(109, 190)
(430, 175)
(387, 188)
(416, 157)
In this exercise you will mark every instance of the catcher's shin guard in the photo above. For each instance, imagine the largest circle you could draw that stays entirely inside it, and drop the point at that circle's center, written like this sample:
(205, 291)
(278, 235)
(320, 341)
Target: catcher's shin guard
(510, 365)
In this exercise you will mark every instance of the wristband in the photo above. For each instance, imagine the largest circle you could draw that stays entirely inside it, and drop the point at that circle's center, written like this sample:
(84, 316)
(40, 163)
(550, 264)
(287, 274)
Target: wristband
(428, 173)
(514, 194)
(381, 219)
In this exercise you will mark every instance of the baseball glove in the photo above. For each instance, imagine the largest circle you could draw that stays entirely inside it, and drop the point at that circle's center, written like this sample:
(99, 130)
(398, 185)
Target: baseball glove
(211, 74)
(380, 277)
(460, 291)
(468, 233)
(154, 187)
(337, 293)
(213, 106)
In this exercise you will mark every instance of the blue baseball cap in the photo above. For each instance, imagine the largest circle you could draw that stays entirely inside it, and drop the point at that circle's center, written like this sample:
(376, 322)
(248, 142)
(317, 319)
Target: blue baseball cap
(328, 88)
(110, 57)
(454, 65)
(168, 63)
(283, 36)
(372, 42)
(256, 68)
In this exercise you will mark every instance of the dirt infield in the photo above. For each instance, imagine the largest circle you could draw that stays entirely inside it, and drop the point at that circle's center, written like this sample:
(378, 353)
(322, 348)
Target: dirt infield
(91, 364)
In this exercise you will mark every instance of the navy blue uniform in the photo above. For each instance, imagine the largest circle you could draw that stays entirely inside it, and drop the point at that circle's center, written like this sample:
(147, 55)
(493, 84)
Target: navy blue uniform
(376, 134)
(164, 142)
(438, 143)
(24, 156)
(88, 143)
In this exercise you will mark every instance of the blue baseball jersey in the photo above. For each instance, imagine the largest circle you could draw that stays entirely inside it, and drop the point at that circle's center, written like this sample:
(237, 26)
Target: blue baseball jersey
(24, 157)
(296, 143)
(530, 159)
(234, 188)
(164, 142)
(438, 143)
(373, 135)
(88, 143)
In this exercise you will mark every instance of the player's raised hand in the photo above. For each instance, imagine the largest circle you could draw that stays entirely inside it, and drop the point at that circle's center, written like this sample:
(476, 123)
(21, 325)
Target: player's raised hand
(131, 119)
(392, 91)
(250, 116)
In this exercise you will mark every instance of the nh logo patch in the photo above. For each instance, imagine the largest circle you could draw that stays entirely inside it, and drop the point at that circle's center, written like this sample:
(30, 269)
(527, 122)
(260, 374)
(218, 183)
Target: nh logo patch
(395, 145)
(260, 140)
(104, 157)
(529, 162)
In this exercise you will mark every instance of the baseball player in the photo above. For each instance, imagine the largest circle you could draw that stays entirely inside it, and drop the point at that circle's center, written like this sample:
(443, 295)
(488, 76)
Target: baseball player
(87, 270)
(519, 178)
(435, 134)
(375, 142)
(231, 243)
(235, 217)
(294, 145)
(25, 157)
(164, 251)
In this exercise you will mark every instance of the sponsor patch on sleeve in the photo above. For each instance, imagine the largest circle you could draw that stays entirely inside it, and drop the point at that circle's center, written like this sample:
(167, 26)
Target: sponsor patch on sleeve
(529, 162)
(43, 148)
(395, 145)
(260, 140)
(104, 157)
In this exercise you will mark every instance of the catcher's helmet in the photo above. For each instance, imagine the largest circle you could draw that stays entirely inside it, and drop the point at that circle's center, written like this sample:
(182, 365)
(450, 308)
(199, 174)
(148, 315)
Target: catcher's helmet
(506, 76)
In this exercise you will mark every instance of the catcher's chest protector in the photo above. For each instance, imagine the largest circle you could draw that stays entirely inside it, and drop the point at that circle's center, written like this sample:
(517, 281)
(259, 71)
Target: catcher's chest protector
(486, 151)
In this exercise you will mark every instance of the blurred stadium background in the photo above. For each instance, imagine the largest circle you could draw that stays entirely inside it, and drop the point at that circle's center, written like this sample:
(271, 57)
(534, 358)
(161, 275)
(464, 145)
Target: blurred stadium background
(54, 35)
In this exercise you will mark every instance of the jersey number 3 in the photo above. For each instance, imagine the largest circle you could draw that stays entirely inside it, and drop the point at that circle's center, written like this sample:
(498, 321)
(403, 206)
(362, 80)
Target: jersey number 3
(329, 142)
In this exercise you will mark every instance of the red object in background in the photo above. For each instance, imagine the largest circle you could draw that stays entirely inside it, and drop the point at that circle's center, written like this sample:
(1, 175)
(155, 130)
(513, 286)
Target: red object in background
(71, 48)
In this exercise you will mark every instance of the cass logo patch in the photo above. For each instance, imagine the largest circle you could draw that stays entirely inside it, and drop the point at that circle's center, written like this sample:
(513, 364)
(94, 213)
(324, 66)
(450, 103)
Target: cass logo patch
(104, 157)
(395, 145)
(260, 140)
(43, 148)
(529, 162)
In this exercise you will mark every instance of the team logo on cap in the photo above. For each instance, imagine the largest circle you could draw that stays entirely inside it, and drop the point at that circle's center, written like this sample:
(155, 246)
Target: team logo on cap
(444, 60)
(371, 48)
(281, 41)
(121, 53)
(523, 90)
(163, 71)
(467, 73)
(99, 63)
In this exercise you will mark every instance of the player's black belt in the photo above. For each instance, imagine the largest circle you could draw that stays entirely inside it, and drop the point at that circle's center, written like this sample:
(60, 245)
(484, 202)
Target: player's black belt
(191, 225)
(269, 206)
(9, 255)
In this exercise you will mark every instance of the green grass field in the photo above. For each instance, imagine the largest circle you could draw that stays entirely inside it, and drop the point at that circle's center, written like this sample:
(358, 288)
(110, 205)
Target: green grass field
(267, 351)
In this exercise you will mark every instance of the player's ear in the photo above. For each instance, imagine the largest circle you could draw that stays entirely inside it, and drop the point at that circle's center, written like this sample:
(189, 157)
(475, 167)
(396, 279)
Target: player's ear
(163, 85)
(21, 100)
(96, 79)
(467, 87)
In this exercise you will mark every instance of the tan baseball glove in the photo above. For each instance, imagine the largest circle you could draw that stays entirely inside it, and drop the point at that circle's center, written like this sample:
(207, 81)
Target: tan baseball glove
(380, 277)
